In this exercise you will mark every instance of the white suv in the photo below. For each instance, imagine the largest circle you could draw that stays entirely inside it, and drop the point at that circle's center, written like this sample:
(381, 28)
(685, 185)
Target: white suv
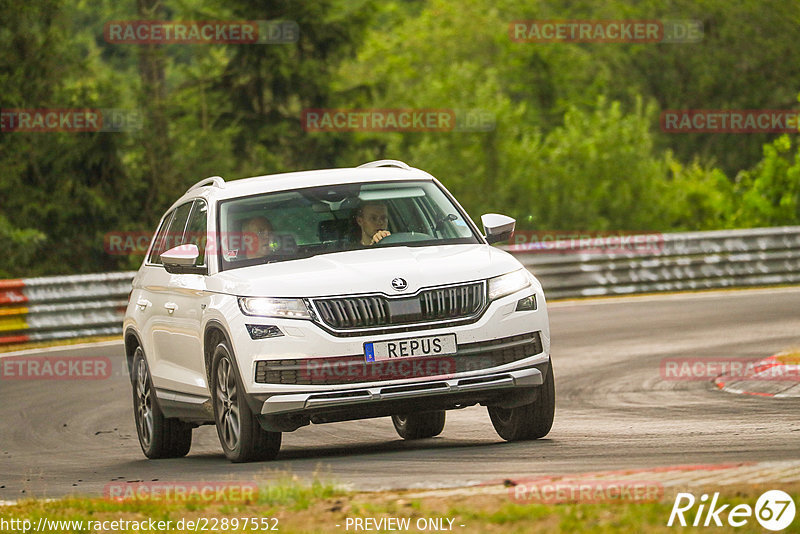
(269, 303)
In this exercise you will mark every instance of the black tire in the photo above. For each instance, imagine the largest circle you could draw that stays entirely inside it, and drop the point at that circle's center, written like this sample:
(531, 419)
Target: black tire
(240, 434)
(159, 436)
(419, 425)
(530, 421)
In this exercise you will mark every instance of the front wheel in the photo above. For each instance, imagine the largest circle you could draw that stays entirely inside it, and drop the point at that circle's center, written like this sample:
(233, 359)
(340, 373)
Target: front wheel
(529, 421)
(419, 425)
(159, 436)
(240, 434)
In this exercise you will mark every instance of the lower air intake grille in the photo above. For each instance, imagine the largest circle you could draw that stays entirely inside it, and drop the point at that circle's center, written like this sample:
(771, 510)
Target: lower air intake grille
(349, 369)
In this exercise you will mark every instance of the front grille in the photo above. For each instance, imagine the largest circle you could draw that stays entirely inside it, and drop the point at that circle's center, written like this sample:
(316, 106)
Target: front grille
(349, 369)
(375, 311)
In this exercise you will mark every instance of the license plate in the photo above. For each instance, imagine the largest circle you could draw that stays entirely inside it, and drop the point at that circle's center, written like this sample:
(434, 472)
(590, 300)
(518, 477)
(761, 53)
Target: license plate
(412, 347)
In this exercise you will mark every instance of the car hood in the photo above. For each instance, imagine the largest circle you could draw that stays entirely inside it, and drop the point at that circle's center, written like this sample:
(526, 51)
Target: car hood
(366, 271)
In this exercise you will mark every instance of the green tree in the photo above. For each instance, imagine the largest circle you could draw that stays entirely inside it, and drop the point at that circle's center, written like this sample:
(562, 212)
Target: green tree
(59, 185)
(20, 245)
(770, 192)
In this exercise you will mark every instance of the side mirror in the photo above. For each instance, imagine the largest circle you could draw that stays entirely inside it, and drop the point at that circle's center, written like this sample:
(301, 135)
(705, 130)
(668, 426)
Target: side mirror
(497, 227)
(182, 259)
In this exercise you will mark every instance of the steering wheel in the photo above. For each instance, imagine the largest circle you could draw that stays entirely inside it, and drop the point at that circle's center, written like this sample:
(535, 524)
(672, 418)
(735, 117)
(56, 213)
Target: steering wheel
(404, 237)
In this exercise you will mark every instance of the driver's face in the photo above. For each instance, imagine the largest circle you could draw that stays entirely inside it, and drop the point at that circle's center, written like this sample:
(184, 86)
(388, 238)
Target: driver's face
(374, 217)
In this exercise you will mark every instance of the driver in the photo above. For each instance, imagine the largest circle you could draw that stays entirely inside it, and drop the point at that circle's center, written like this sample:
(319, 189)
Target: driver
(373, 220)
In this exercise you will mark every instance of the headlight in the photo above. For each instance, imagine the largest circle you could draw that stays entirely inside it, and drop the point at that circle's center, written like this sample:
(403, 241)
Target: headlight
(272, 307)
(506, 284)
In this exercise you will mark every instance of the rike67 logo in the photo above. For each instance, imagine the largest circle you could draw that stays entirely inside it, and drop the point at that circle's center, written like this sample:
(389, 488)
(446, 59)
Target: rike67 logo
(774, 510)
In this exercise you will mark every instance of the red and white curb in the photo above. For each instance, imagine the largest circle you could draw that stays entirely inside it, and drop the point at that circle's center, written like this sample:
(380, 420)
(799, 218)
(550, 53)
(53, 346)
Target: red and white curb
(667, 477)
(776, 376)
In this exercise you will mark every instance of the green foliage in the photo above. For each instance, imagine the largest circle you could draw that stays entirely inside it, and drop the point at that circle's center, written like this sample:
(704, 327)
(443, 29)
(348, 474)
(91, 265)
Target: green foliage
(698, 198)
(575, 143)
(597, 171)
(770, 192)
(20, 246)
(60, 185)
(208, 109)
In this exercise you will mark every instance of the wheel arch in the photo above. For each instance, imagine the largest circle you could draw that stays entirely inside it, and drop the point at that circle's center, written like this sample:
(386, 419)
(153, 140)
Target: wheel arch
(132, 341)
(213, 333)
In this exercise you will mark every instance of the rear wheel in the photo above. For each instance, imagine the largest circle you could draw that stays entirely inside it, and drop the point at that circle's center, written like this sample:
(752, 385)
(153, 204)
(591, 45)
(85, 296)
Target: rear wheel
(419, 425)
(529, 421)
(240, 434)
(159, 436)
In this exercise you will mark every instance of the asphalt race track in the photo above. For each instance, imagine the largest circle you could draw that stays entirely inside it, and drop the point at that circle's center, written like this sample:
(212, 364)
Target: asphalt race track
(614, 411)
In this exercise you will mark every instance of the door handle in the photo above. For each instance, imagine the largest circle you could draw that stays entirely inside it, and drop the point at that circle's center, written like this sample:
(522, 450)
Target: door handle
(171, 306)
(143, 304)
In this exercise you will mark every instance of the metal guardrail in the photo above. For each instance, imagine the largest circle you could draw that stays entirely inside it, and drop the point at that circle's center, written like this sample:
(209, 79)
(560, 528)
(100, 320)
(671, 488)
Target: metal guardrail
(62, 307)
(680, 261)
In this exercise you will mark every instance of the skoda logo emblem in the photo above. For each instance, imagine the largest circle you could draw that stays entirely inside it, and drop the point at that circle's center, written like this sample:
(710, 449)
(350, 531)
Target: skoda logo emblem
(399, 284)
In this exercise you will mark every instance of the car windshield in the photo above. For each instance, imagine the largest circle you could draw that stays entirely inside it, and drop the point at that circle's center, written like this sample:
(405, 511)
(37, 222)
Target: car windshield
(289, 225)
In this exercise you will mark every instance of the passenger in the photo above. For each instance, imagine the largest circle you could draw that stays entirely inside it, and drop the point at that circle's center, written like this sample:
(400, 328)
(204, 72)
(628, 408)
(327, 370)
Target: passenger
(256, 237)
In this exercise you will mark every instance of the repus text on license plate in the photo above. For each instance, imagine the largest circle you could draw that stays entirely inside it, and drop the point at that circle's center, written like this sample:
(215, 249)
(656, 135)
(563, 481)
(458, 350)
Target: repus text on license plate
(412, 347)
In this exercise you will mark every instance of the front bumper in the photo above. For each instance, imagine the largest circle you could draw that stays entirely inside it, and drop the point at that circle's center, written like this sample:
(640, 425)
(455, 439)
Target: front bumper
(310, 402)
(305, 340)
(507, 389)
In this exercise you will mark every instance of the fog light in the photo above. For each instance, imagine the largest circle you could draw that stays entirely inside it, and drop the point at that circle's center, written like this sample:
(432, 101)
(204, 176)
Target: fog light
(259, 331)
(526, 304)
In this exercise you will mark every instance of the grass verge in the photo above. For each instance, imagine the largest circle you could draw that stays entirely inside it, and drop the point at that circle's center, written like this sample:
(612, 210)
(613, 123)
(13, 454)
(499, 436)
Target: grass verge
(323, 507)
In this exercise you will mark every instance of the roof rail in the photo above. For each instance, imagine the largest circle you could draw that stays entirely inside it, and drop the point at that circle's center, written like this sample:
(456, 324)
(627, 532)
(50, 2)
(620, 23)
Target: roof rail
(216, 181)
(385, 163)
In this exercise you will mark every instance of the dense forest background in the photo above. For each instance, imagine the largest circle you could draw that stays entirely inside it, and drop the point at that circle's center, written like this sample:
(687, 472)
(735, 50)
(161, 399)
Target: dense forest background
(576, 144)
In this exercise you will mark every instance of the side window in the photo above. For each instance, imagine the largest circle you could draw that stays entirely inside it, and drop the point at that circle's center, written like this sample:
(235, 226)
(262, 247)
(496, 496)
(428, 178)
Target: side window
(174, 233)
(196, 229)
(158, 241)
